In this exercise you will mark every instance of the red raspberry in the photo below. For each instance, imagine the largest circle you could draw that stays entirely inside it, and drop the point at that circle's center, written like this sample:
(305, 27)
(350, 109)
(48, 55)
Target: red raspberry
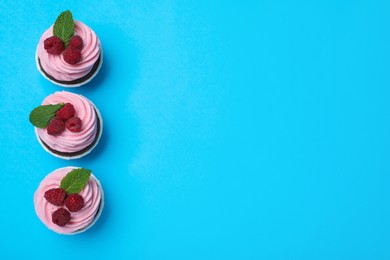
(74, 202)
(72, 55)
(66, 112)
(56, 126)
(76, 41)
(60, 217)
(73, 124)
(53, 45)
(55, 196)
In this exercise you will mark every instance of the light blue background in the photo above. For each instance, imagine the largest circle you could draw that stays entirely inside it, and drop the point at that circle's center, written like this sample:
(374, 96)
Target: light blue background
(232, 130)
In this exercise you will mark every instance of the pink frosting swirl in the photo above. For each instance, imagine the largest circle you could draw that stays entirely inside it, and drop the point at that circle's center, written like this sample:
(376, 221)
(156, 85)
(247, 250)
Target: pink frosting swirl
(56, 66)
(80, 220)
(68, 141)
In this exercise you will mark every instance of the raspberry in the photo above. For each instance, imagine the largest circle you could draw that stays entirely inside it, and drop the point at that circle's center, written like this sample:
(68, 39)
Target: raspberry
(56, 126)
(73, 124)
(55, 196)
(66, 112)
(72, 55)
(74, 202)
(60, 217)
(76, 41)
(53, 45)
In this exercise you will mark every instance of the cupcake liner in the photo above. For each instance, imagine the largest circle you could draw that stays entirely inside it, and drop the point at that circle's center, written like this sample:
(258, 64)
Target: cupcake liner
(79, 155)
(70, 85)
(98, 213)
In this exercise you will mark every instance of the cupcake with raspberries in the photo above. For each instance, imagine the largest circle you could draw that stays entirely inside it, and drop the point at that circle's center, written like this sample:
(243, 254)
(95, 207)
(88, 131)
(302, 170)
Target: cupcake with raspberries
(69, 53)
(67, 125)
(69, 200)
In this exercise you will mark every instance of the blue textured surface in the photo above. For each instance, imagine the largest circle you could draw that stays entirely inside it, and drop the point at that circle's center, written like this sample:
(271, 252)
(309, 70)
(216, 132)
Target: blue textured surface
(233, 130)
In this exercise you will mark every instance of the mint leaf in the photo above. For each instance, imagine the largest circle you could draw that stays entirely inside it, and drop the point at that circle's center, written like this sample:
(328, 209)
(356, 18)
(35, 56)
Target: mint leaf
(40, 116)
(64, 27)
(75, 181)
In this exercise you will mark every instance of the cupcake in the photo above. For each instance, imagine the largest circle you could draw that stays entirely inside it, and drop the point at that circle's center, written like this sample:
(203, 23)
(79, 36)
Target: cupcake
(67, 125)
(69, 200)
(69, 53)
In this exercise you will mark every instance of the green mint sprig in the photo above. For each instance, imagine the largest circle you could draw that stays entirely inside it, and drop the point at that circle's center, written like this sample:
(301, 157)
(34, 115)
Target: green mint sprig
(40, 116)
(64, 27)
(75, 180)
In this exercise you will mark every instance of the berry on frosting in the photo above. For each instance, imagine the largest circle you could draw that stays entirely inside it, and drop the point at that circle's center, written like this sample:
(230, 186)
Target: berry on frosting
(72, 55)
(66, 112)
(73, 124)
(56, 126)
(74, 202)
(76, 41)
(54, 45)
(55, 196)
(60, 217)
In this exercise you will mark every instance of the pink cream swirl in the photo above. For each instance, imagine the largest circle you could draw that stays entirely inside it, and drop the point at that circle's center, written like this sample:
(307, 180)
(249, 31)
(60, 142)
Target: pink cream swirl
(80, 220)
(68, 141)
(55, 65)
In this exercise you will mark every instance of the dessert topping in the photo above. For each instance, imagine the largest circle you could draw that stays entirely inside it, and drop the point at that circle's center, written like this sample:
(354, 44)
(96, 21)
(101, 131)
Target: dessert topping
(60, 217)
(55, 196)
(63, 27)
(73, 124)
(75, 181)
(72, 55)
(40, 116)
(66, 112)
(63, 40)
(76, 41)
(74, 202)
(55, 118)
(54, 45)
(70, 185)
(56, 126)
